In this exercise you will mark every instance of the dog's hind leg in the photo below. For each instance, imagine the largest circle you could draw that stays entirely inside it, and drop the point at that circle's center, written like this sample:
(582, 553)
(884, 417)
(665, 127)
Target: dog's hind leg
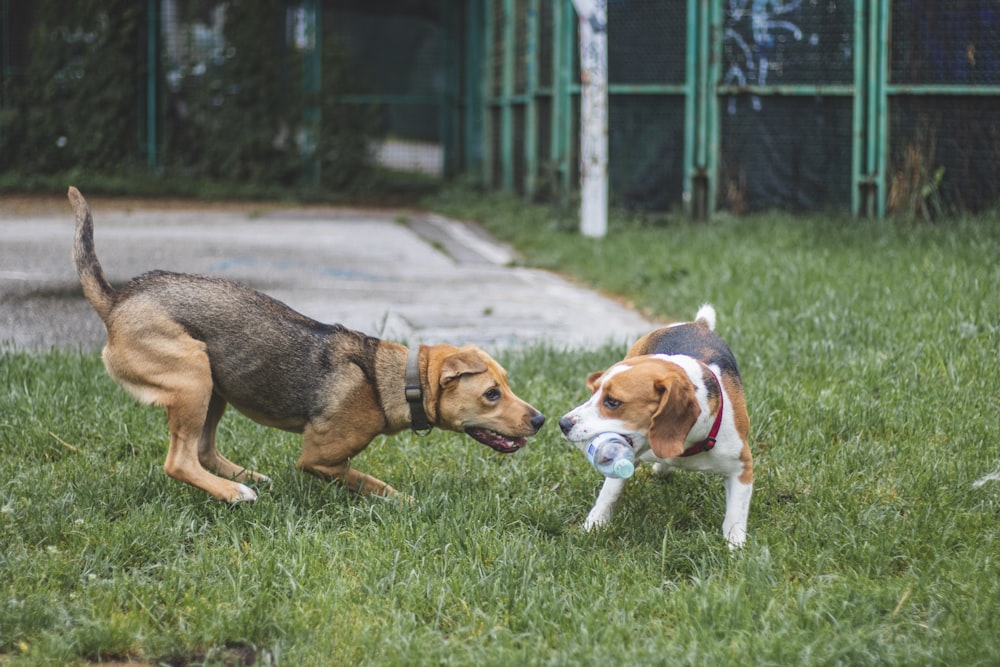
(187, 414)
(156, 361)
(208, 453)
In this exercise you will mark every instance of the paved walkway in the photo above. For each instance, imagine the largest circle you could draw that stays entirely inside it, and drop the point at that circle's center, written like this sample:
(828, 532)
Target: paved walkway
(406, 277)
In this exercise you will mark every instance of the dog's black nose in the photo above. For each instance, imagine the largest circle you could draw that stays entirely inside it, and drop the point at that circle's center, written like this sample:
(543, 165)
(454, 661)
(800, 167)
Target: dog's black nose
(566, 424)
(537, 421)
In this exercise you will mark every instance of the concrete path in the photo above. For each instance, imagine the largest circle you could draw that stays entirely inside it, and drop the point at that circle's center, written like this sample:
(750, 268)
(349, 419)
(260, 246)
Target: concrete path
(413, 277)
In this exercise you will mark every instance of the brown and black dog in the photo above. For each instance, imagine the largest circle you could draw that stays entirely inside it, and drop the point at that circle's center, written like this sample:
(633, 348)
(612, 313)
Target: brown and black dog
(195, 344)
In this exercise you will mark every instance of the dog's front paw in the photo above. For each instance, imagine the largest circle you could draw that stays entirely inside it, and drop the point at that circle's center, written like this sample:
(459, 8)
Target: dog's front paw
(401, 499)
(242, 494)
(662, 470)
(736, 537)
(598, 517)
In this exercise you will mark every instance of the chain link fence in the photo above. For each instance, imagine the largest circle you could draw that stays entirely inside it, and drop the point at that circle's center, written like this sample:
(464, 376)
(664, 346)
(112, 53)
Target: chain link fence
(786, 105)
(294, 93)
(944, 106)
(796, 104)
(869, 105)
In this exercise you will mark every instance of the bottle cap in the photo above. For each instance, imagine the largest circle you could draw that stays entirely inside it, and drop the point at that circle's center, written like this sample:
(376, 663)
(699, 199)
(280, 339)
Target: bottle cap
(624, 468)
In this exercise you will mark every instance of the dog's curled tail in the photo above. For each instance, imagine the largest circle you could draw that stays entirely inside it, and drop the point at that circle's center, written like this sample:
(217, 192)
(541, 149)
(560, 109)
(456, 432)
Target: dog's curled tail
(96, 287)
(707, 314)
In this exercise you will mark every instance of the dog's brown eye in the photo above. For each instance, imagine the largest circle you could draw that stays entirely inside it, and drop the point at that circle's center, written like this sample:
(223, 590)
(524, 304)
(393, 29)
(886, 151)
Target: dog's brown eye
(611, 403)
(492, 395)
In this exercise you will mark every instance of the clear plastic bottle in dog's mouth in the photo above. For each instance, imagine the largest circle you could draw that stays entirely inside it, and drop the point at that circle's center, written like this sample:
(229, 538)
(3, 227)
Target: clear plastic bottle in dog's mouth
(611, 455)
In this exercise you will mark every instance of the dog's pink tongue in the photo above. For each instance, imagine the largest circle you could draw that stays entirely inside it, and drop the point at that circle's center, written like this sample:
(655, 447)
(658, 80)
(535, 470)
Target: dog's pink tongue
(498, 442)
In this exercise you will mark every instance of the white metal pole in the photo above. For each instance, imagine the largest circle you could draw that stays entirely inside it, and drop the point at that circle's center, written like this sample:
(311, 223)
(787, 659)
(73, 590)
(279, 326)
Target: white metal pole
(593, 17)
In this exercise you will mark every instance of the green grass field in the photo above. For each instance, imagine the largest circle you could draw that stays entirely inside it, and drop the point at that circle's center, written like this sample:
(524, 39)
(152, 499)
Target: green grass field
(870, 356)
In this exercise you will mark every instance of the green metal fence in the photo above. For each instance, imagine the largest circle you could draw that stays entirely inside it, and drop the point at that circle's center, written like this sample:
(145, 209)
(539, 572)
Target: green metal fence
(877, 106)
(871, 105)
(290, 92)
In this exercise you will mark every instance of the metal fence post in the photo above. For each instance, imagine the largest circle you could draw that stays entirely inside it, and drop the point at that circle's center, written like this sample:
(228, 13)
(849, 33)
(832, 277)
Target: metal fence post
(882, 117)
(451, 57)
(559, 108)
(703, 62)
(4, 37)
(858, 164)
(872, 166)
(713, 77)
(4, 53)
(310, 43)
(555, 108)
(474, 75)
(530, 106)
(565, 81)
(152, 80)
(593, 117)
(702, 90)
(690, 105)
(486, 91)
(506, 108)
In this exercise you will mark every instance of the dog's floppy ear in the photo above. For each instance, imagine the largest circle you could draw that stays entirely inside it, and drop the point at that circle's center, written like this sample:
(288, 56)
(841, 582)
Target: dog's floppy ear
(592, 380)
(465, 361)
(676, 414)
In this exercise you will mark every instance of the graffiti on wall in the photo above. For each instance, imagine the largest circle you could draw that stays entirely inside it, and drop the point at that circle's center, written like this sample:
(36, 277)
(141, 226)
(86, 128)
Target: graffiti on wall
(755, 28)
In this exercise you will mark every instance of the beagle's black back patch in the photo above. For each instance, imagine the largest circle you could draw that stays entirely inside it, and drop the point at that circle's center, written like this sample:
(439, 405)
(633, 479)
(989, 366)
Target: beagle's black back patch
(693, 339)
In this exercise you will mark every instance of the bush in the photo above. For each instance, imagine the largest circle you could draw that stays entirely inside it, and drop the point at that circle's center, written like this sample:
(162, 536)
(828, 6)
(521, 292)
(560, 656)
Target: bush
(75, 104)
(231, 96)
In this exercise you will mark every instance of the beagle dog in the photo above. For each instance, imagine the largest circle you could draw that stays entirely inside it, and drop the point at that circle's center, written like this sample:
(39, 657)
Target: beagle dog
(678, 398)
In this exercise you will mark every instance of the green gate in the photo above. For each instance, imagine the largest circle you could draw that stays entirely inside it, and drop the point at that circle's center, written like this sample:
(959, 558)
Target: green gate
(876, 106)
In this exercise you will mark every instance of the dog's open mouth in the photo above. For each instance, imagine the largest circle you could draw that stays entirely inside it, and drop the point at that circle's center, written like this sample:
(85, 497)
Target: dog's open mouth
(501, 443)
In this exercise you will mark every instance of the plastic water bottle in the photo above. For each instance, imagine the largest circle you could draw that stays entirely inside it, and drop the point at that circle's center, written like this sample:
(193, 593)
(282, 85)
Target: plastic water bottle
(611, 455)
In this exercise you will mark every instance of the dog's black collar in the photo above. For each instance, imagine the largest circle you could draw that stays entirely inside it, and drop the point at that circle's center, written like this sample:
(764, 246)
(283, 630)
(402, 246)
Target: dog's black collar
(415, 394)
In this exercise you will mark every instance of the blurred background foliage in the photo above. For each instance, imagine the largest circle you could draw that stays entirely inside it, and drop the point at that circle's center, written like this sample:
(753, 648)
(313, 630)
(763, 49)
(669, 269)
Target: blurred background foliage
(230, 100)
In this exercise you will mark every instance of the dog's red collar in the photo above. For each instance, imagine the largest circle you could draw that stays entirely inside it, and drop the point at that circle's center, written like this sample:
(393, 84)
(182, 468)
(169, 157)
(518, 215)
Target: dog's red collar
(708, 443)
(414, 393)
